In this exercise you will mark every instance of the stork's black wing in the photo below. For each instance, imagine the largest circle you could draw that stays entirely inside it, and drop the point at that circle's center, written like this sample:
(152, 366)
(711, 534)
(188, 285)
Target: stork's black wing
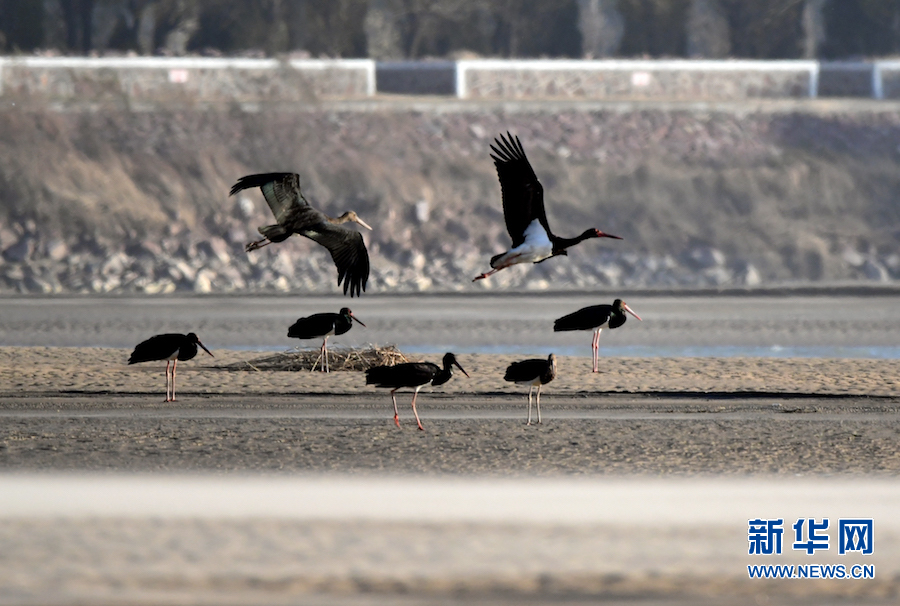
(281, 190)
(526, 370)
(586, 318)
(348, 251)
(159, 347)
(314, 326)
(408, 374)
(523, 194)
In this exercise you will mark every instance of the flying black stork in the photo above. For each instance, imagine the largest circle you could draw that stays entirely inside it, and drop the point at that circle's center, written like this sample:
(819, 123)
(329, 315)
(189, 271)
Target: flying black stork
(323, 325)
(294, 215)
(596, 318)
(170, 347)
(534, 372)
(412, 374)
(523, 211)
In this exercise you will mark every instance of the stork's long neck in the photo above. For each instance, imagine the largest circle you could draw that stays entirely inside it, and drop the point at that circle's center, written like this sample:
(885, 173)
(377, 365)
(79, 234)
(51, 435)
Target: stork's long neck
(561, 244)
(445, 373)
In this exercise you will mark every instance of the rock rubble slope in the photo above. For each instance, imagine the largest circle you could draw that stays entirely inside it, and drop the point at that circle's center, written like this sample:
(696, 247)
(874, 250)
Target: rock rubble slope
(740, 195)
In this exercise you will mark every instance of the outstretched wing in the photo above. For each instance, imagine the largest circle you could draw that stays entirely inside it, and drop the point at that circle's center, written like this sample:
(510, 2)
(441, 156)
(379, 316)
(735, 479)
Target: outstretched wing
(348, 251)
(281, 190)
(523, 194)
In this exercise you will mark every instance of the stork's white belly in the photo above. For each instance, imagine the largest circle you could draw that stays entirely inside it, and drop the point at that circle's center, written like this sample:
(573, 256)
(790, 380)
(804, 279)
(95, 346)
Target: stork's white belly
(536, 247)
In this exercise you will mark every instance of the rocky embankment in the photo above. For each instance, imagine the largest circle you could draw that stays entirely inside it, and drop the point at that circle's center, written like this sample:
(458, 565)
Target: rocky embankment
(137, 202)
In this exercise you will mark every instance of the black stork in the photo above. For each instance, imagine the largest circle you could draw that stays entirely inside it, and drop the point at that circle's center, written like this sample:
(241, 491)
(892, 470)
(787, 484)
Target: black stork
(534, 372)
(294, 215)
(170, 347)
(596, 318)
(323, 325)
(412, 374)
(523, 211)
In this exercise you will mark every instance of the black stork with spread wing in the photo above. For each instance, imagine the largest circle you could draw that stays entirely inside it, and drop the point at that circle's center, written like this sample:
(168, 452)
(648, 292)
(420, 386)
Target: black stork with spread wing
(323, 325)
(294, 215)
(523, 211)
(596, 318)
(170, 347)
(534, 372)
(412, 374)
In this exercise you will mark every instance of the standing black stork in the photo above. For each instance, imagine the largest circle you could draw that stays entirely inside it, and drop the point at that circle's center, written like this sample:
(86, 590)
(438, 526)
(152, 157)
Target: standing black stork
(534, 372)
(523, 211)
(596, 318)
(412, 374)
(170, 347)
(295, 216)
(323, 325)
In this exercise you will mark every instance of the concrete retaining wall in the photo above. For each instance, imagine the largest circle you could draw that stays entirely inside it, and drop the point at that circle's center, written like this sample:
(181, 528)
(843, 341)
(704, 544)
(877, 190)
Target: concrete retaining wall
(886, 80)
(152, 80)
(416, 77)
(637, 79)
(188, 80)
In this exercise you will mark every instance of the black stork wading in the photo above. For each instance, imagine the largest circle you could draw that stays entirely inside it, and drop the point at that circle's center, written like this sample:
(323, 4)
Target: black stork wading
(412, 374)
(596, 318)
(523, 211)
(323, 325)
(535, 372)
(294, 215)
(170, 347)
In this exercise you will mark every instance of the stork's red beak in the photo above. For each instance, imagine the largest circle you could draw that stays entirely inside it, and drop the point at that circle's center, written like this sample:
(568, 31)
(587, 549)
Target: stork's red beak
(629, 310)
(204, 347)
(601, 234)
(357, 320)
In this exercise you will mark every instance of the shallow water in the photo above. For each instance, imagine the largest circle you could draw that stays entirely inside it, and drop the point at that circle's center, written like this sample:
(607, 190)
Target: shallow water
(723, 326)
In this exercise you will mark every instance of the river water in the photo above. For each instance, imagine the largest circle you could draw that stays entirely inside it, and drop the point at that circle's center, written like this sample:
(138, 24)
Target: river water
(863, 326)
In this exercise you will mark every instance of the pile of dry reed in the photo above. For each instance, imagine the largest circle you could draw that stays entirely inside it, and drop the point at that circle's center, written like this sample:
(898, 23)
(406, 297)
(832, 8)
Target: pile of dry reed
(338, 359)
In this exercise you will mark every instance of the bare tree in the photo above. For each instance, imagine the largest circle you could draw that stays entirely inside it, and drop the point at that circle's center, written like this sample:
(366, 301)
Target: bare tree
(601, 26)
(813, 28)
(707, 30)
(78, 18)
(382, 29)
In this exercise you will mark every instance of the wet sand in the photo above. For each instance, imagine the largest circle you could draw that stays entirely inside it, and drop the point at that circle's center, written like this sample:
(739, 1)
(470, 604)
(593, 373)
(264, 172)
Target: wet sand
(836, 325)
(268, 487)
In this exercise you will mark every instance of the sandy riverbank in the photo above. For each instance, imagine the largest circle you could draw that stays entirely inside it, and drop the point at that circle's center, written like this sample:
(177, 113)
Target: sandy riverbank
(85, 409)
(42, 370)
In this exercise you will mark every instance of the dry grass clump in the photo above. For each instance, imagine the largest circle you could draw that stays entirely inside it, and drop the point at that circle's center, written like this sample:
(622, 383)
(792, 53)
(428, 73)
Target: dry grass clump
(352, 359)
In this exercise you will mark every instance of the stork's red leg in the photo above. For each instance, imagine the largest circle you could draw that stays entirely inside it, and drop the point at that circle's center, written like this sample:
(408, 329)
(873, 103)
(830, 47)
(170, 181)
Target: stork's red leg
(324, 354)
(530, 389)
(257, 244)
(174, 366)
(396, 414)
(418, 422)
(486, 274)
(168, 362)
